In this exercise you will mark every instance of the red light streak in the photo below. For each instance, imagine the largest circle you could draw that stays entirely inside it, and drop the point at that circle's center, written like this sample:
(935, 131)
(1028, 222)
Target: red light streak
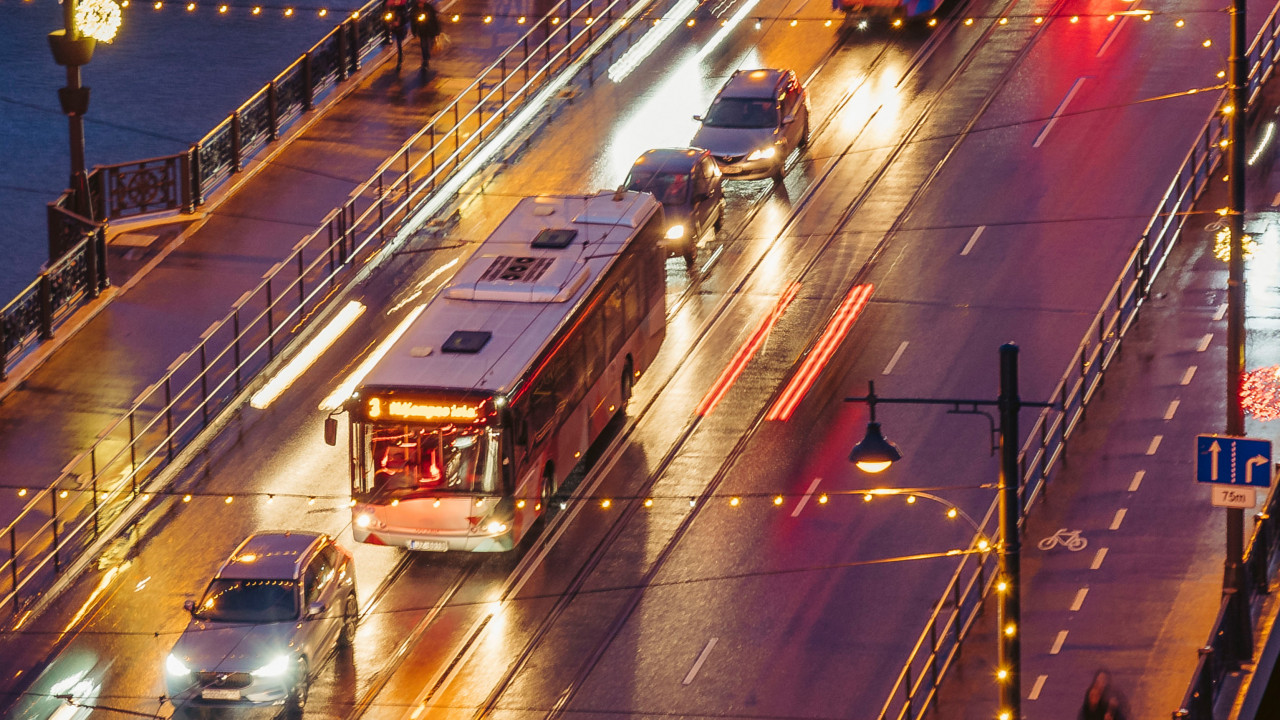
(822, 351)
(744, 354)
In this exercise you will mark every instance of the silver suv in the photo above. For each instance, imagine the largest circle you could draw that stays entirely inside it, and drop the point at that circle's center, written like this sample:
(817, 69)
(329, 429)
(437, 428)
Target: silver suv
(756, 120)
(271, 613)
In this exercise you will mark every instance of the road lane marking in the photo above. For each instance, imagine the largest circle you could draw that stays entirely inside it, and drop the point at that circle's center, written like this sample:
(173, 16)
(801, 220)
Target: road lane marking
(1190, 373)
(1276, 202)
(805, 500)
(1137, 480)
(1116, 31)
(1221, 313)
(1155, 444)
(1035, 689)
(1079, 601)
(1204, 342)
(973, 239)
(1119, 518)
(1097, 559)
(697, 665)
(896, 357)
(1057, 643)
(1173, 408)
(1057, 113)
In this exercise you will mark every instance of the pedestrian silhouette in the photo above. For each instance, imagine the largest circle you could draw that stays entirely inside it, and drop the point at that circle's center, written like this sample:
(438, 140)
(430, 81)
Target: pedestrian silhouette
(1102, 701)
(425, 23)
(395, 24)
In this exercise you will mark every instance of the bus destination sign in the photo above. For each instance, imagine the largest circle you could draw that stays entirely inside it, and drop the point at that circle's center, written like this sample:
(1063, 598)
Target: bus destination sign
(421, 410)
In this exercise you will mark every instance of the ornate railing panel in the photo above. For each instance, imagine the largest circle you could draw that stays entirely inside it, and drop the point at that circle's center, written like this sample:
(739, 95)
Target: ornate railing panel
(75, 511)
(145, 186)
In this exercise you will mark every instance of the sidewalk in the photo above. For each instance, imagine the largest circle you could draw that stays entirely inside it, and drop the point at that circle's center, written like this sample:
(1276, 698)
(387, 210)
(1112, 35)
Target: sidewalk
(1142, 597)
(170, 281)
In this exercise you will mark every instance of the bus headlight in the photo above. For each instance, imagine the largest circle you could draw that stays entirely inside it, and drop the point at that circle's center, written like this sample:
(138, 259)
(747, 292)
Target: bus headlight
(175, 666)
(675, 232)
(366, 520)
(495, 527)
(763, 153)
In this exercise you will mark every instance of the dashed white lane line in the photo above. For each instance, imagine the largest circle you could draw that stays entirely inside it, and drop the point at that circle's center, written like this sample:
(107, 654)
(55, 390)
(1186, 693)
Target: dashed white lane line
(805, 500)
(1035, 689)
(1173, 408)
(1057, 643)
(1079, 601)
(697, 664)
(1137, 480)
(896, 357)
(1204, 342)
(1221, 313)
(1155, 444)
(1119, 518)
(1057, 113)
(1097, 559)
(973, 239)
(1190, 373)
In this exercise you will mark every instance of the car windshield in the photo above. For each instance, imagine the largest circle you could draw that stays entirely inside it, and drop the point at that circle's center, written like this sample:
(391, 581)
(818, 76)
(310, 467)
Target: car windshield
(741, 113)
(670, 188)
(249, 601)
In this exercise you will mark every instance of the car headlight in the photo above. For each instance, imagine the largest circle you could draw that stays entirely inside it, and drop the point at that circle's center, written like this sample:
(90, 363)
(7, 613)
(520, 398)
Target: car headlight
(675, 232)
(495, 526)
(763, 153)
(175, 666)
(277, 667)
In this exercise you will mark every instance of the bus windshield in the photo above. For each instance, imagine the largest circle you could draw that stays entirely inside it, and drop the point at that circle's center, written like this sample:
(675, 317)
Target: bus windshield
(448, 459)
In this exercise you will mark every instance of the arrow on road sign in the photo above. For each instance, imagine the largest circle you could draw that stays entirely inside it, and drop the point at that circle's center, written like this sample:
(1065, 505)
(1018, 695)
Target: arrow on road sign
(1214, 449)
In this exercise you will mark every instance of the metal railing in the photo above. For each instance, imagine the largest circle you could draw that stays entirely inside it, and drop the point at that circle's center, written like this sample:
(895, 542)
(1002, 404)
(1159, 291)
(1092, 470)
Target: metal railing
(111, 481)
(956, 610)
(182, 181)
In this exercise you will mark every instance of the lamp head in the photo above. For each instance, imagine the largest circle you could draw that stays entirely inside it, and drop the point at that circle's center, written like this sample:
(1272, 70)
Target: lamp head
(874, 453)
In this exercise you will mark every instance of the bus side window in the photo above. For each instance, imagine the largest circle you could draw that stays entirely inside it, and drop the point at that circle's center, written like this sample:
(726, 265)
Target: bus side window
(630, 303)
(593, 344)
(613, 325)
(571, 387)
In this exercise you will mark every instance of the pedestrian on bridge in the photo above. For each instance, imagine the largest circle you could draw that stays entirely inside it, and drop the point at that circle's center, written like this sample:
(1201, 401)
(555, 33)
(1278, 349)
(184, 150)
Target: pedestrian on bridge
(1102, 701)
(425, 23)
(395, 23)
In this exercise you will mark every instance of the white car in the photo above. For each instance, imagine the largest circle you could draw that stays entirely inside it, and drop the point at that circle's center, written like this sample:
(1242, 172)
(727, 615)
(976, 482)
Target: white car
(270, 615)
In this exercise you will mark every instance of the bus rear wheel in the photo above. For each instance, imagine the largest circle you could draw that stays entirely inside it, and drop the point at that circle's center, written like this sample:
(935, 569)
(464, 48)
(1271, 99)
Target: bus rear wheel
(548, 488)
(625, 386)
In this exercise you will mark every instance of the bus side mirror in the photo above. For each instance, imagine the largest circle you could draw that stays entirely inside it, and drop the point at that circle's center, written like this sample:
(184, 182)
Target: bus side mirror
(331, 431)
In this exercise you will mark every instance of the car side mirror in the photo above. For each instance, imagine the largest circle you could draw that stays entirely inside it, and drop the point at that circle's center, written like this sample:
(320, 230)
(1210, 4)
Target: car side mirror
(698, 118)
(331, 431)
(789, 119)
(315, 608)
(189, 606)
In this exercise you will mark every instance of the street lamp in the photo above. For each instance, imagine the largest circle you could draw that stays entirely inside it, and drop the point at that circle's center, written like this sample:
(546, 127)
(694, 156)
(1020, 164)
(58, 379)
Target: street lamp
(875, 453)
(84, 25)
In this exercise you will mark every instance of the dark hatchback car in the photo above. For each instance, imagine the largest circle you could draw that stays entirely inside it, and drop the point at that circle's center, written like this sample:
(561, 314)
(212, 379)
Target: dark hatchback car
(265, 623)
(687, 183)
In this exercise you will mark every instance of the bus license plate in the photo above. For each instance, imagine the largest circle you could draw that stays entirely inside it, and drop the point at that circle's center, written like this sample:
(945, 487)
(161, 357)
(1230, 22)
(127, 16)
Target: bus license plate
(220, 694)
(429, 545)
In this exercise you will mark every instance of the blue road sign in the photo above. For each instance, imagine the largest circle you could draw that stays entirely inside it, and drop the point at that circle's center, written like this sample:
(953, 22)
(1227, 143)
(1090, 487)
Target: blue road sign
(1233, 460)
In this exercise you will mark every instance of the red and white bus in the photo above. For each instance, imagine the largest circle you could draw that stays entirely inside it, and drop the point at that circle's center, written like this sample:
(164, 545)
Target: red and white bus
(460, 435)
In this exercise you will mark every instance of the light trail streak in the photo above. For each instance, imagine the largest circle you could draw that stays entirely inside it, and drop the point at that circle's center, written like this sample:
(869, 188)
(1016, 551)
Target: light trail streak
(740, 359)
(307, 356)
(636, 54)
(344, 390)
(846, 314)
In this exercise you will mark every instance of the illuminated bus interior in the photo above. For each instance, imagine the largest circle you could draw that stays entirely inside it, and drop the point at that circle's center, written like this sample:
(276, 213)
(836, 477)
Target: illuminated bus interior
(412, 460)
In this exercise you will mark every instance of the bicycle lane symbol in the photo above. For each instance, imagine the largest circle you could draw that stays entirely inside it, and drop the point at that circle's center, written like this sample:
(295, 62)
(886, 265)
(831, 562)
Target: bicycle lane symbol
(1071, 539)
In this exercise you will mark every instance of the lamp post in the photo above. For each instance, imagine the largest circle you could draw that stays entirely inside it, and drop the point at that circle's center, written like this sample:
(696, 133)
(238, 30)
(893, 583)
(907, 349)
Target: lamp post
(1238, 70)
(875, 453)
(83, 25)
